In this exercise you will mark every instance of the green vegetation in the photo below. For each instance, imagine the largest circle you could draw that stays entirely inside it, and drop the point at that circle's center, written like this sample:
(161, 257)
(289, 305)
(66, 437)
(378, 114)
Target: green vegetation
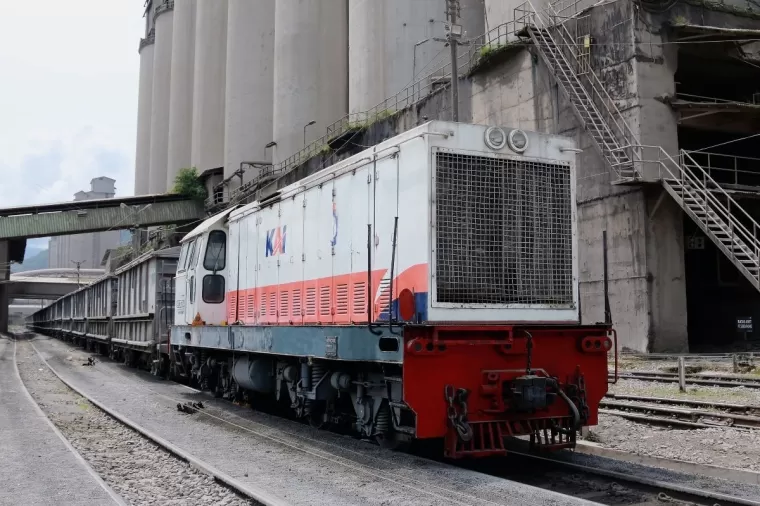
(378, 116)
(487, 53)
(188, 183)
(488, 50)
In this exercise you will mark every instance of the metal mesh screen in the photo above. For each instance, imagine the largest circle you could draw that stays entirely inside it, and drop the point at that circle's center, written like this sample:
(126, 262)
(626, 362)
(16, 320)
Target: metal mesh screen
(503, 231)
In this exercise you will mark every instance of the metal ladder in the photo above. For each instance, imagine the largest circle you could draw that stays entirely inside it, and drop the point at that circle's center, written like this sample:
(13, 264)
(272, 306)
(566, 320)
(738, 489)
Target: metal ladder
(713, 209)
(597, 112)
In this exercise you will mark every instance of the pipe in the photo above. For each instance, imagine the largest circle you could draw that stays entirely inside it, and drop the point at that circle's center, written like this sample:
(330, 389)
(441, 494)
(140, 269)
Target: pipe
(369, 281)
(393, 263)
(573, 409)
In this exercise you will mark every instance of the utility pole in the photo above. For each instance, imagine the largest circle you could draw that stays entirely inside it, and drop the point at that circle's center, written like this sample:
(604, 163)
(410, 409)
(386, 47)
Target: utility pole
(454, 33)
(79, 265)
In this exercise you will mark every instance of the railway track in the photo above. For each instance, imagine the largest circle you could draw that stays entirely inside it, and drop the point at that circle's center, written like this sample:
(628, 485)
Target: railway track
(708, 379)
(622, 483)
(682, 412)
(601, 483)
(414, 480)
(135, 466)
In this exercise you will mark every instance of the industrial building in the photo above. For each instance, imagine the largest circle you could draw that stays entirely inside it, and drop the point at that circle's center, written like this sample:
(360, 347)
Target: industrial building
(85, 250)
(662, 98)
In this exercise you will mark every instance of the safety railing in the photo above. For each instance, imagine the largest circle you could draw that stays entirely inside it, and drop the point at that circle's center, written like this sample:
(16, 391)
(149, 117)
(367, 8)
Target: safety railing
(738, 171)
(710, 204)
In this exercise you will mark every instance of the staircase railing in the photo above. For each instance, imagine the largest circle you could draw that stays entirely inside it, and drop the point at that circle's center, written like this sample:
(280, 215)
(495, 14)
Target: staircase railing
(622, 157)
(698, 191)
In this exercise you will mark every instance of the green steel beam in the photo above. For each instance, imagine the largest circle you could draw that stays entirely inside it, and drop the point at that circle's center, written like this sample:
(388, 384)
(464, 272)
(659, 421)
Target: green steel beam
(79, 221)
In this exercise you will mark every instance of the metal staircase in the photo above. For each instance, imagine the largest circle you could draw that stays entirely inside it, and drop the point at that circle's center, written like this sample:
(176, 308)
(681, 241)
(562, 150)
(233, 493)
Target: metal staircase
(719, 216)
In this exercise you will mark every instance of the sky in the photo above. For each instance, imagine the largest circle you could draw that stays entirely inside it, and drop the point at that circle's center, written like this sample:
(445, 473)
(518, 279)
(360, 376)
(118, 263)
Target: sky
(68, 96)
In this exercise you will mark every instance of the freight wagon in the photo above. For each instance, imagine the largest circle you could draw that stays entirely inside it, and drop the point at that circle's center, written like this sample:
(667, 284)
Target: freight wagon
(126, 314)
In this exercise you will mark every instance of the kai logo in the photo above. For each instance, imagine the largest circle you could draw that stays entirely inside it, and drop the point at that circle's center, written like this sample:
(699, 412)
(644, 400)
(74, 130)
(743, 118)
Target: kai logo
(276, 241)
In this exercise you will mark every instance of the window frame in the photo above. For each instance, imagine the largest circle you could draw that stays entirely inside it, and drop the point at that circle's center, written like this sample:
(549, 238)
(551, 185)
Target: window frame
(223, 257)
(223, 291)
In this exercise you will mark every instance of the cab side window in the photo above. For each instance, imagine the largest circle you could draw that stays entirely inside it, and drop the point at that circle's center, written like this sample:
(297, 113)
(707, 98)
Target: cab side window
(182, 258)
(216, 251)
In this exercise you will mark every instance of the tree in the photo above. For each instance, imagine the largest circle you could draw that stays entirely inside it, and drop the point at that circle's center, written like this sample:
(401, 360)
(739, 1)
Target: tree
(188, 183)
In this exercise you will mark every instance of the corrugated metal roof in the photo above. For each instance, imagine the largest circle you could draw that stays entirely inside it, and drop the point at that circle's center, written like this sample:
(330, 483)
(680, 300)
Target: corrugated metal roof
(99, 219)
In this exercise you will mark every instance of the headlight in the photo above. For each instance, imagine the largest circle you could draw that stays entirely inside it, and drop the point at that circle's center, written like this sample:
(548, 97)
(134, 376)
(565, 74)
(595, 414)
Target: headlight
(496, 138)
(518, 141)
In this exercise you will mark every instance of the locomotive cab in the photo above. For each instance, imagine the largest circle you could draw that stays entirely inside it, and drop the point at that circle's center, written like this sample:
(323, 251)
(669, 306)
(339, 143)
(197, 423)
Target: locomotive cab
(200, 283)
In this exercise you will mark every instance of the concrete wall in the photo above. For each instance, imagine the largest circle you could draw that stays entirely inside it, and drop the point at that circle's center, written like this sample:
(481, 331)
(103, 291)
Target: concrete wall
(181, 90)
(249, 84)
(209, 85)
(159, 124)
(144, 102)
(311, 69)
(644, 228)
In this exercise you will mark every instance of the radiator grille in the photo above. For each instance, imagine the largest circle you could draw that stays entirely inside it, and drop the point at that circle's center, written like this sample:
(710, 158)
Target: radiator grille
(503, 231)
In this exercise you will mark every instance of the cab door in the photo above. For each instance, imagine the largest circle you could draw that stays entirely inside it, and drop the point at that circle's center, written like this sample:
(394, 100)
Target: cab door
(184, 285)
(196, 247)
(180, 287)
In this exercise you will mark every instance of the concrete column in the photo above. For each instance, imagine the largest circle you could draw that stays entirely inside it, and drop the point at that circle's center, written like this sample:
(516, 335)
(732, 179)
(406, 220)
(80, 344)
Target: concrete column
(667, 274)
(159, 125)
(250, 85)
(144, 106)
(181, 90)
(311, 70)
(209, 84)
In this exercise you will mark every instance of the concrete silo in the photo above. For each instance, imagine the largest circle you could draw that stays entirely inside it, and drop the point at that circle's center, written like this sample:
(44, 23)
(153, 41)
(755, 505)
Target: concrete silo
(159, 124)
(499, 12)
(250, 85)
(473, 18)
(144, 103)
(181, 90)
(391, 44)
(209, 84)
(310, 72)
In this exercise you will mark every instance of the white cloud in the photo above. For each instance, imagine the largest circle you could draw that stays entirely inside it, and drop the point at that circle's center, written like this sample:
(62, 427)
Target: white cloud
(68, 96)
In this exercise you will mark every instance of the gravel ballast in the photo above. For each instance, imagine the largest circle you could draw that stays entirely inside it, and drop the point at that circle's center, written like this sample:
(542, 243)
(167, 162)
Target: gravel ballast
(720, 446)
(135, 468)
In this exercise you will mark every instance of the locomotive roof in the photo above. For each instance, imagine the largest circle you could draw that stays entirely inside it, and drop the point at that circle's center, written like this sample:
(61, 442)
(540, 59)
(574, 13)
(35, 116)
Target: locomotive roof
(207, 224)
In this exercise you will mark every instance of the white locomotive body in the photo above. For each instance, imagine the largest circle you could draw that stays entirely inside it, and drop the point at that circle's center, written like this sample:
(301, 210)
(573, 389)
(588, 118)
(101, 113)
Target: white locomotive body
(455, 230)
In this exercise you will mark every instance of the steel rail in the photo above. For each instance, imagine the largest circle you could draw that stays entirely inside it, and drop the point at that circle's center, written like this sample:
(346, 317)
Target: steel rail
(658, 486)
(678, 416)
(720, 381)
(726, 406)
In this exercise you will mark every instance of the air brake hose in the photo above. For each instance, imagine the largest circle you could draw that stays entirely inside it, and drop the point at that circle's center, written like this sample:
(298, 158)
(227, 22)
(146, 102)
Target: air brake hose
(573, 408)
